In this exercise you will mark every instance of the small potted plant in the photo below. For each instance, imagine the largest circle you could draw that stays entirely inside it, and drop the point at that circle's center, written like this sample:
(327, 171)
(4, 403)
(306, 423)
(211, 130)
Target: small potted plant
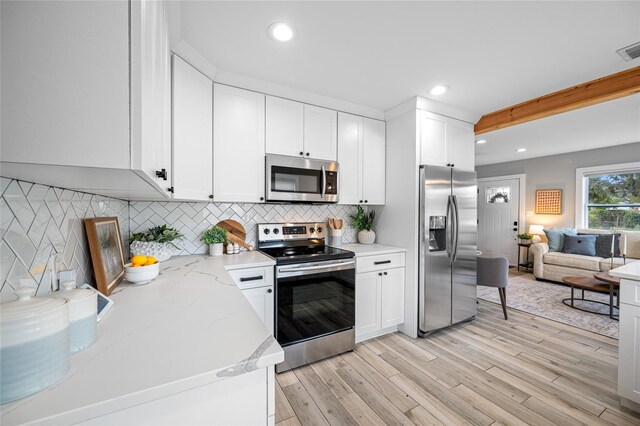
(215, 238)
(363, 222)
(157, 242)
(525, 238)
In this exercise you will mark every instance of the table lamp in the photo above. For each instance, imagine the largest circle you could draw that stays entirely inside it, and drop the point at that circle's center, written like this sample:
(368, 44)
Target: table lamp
(536, 231)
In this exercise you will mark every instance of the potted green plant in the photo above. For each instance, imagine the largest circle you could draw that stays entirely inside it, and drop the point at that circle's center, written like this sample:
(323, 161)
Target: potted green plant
(363, 222)
(158, 242)
(215, 238)
(525, 238)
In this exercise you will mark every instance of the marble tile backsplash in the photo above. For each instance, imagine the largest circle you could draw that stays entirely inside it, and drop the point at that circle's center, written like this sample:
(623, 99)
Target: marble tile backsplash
(42, 229)
(192, 219)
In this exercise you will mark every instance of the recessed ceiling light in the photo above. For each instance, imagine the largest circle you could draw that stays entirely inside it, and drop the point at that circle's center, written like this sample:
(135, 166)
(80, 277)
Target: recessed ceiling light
(481, 141)
(281, 32)
(521, 149)
(439, 90)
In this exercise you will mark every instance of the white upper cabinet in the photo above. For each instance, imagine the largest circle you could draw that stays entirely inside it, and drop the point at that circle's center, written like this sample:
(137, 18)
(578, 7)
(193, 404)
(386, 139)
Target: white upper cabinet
(285, 123)
(300, 130)
(238, 145)
(320, 133)
(150, 91)
(361, 154)
(192, 133)
(90, 89)
(446, 142)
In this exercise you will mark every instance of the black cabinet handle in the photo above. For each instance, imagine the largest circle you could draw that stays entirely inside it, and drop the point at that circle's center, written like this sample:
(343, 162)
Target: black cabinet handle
(515, 229)
(307, 154)
(366, 201)
(261, 198)
(381, 262)
(269, 291)
(301, 153)
(380, 274)
(453, 165)
(211, 196)
(385, 273)
(256, 278)
(162, 174)
(448, 164)
(360, 201)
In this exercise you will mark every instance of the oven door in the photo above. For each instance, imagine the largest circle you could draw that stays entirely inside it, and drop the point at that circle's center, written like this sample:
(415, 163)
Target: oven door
(314, 300)
(300, 179)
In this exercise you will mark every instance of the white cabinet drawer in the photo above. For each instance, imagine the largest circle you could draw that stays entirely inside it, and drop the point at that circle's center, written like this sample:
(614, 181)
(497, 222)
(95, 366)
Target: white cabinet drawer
(252, 277)
(379, 262)
(630, 292)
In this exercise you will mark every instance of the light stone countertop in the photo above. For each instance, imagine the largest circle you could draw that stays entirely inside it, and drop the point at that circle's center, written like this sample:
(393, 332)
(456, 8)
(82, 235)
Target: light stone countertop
(630, 271)
(371, 249)
(189, 327)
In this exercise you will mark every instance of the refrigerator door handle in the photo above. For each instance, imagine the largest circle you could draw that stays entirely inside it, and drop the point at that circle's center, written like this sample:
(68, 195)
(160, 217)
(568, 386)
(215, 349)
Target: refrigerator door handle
(449, 235)
(456, 229)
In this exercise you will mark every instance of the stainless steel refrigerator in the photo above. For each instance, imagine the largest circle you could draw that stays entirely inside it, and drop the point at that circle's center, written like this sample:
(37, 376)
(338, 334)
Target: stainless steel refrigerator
(448, 244)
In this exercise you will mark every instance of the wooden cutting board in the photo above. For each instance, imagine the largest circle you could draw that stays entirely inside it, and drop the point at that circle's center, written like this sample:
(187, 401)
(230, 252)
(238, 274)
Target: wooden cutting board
(235, 232)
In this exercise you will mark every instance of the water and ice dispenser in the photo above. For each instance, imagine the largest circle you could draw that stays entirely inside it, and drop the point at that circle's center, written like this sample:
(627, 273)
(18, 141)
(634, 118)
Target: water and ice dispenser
(437, 233)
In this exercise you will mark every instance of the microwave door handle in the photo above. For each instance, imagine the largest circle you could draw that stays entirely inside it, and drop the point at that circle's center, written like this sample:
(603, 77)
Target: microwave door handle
(324, 182)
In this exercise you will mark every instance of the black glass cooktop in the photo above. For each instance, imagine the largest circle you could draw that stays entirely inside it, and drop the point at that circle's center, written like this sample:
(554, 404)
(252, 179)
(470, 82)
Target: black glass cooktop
(285, 255)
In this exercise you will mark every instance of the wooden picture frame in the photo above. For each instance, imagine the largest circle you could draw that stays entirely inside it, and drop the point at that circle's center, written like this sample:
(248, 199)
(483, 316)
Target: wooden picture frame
(107, 252)
(549, 201)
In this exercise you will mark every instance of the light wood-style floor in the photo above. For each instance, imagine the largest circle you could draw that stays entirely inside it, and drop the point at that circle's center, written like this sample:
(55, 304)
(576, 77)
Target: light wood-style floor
(527, 370)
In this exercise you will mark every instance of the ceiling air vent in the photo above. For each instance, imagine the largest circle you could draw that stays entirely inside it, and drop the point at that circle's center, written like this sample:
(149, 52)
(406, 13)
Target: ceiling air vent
(630, 53)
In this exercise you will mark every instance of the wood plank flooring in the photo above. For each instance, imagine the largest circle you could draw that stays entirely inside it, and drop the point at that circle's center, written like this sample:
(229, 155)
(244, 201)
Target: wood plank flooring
(527, 370)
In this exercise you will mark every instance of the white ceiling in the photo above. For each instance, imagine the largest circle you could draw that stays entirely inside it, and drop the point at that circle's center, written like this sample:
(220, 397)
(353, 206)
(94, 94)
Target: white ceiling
(379, 54)
(611, 123)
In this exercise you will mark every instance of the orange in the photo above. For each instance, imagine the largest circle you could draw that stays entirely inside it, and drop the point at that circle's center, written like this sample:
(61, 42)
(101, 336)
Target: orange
(150, 260)
(138, 260)
(135, 266)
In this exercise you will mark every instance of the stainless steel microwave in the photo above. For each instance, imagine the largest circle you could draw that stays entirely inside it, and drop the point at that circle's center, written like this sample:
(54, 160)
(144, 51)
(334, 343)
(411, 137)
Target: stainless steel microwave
(292, 179)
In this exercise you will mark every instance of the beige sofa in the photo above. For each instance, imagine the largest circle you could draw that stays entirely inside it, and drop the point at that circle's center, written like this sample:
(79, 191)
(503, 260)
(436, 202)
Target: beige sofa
(554, 266)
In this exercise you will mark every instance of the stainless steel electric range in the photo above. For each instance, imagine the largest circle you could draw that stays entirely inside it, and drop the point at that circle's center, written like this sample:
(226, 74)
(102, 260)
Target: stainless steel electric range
(314, 292)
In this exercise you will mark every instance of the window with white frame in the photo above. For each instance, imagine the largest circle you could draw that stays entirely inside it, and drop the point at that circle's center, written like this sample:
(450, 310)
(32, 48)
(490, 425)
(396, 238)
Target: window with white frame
(610, 198)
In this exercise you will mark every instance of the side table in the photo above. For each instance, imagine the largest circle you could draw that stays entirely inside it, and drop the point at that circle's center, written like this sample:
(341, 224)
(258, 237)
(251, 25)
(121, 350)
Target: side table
(525, 264)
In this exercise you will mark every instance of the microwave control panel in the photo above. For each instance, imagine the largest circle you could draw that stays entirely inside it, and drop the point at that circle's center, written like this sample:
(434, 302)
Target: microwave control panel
(332, 183)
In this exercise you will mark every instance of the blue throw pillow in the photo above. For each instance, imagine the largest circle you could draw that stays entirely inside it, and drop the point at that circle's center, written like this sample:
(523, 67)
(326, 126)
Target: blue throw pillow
(556, 237)
(580, 244)
(603, 244)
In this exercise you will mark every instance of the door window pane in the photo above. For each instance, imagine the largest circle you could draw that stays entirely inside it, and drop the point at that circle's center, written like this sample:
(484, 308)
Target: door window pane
(498, 194)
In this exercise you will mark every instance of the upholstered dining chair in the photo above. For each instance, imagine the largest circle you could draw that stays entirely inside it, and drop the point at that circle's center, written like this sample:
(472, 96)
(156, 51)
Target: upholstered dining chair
(494, 272)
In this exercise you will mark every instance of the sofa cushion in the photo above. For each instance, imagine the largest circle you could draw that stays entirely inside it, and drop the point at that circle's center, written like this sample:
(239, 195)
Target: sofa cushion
(580, 244)
(633, 243)
(556, 237)
(578, 261)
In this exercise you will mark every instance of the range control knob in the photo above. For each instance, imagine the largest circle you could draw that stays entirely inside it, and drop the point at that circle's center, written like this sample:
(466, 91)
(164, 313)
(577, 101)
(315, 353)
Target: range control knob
(319, 229)
(276, 231)
(312, 230)
(266, 231)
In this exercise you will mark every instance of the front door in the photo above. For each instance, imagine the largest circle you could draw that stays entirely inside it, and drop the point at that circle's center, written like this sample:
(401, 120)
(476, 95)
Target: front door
(498, 210)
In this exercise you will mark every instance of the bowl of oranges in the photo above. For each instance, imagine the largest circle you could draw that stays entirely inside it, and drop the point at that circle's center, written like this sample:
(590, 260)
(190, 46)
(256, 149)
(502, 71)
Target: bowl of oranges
(141, 269)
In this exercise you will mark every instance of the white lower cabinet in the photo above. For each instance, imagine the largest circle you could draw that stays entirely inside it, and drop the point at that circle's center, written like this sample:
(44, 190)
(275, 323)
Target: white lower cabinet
(261, 298)
(379, 298)
(257, 286)
(629, 350)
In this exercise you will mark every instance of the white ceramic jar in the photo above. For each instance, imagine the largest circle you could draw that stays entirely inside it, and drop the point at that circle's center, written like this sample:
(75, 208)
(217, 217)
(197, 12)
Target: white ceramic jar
(34, 344)
(83, 315)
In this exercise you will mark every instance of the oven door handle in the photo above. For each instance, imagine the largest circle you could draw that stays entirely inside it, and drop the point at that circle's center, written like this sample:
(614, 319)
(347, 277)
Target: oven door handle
(324, 182)
(316, 267)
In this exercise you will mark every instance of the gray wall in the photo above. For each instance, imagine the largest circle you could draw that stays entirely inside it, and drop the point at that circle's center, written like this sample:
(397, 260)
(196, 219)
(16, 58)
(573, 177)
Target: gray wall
(559, 172)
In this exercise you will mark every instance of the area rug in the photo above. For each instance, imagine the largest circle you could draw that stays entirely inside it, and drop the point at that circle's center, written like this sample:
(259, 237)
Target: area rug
(545, 299)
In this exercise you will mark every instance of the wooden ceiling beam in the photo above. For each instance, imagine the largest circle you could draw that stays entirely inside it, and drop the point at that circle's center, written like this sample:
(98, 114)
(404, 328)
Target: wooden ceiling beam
(603, 89)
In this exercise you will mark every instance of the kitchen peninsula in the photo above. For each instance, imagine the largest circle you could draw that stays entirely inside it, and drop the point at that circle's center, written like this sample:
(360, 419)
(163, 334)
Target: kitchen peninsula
(186, 348)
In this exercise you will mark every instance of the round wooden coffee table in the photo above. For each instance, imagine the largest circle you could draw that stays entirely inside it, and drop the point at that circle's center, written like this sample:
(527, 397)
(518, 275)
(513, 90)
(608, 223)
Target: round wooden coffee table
(591, 284)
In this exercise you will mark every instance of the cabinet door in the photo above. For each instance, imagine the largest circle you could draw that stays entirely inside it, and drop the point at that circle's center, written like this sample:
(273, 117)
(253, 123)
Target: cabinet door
(320, 133)
(629, 352)
(461, 145)
(238, 145)
(367, 303)
(192, 133)
(392, 296)
(433, 140)
(285, 123)
(350, 138)
(261, 298)
(373, 162)
(150, 91)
